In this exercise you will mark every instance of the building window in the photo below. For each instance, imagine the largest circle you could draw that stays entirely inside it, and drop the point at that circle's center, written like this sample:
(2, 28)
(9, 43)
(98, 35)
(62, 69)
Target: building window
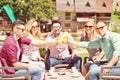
(67, 24)
(54, 0)
(67, 15)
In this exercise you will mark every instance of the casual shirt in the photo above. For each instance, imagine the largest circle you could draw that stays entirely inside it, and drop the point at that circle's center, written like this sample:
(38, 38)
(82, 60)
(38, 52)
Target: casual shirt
(110, 44)
(9, 52)
(30, 53)
(93, 52)
(61, 51)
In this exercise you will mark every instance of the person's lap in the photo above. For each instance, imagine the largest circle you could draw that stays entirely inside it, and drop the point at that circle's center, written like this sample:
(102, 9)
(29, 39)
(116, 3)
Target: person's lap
(53, 61)
(94, 70)
(35, 72)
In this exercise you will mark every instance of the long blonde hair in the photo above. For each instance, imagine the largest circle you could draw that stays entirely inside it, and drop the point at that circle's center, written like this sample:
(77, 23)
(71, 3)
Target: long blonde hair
(29, 26)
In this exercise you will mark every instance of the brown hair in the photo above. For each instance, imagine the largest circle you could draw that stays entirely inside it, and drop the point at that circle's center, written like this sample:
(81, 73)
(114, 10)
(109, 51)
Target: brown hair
(55, 21)
(17, 22)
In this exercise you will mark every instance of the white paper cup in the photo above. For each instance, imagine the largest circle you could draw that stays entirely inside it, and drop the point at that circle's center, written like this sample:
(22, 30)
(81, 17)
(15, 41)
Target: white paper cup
(52, 68)
(74, 69)
(51, 72)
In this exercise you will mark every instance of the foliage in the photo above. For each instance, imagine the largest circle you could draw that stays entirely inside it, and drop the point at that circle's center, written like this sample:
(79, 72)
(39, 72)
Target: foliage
(42, 52)
(117, 13)
(26, 9)
(116, 16)
(6, 2)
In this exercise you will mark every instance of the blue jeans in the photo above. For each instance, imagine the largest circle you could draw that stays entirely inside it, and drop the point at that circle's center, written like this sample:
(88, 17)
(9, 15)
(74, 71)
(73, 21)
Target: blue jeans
(35, 72)
(95, 69)
(53, 61)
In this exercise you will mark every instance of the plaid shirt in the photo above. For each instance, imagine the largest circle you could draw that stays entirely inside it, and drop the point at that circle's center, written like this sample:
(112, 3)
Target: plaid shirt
(9, 52)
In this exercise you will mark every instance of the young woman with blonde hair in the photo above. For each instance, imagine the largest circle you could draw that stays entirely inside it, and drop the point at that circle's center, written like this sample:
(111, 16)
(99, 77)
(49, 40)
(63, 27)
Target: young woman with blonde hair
(31, 53)
(90, 35)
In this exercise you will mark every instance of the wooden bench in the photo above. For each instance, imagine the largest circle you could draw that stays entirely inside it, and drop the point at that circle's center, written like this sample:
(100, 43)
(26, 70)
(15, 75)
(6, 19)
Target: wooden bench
(109, 76)
(24, 76)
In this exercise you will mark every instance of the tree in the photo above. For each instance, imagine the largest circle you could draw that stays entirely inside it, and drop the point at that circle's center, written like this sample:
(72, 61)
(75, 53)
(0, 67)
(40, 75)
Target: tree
(26, 9)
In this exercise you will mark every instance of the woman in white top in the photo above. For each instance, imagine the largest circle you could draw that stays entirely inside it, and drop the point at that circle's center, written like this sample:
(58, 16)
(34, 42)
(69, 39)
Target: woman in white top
(31, 53)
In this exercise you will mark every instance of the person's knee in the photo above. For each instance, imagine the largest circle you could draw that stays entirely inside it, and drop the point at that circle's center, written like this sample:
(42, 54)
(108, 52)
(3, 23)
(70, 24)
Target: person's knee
(35, 69)
(93, 71)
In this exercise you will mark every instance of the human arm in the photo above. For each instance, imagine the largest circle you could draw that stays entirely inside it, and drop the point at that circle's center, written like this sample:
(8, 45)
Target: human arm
(51, 37)
(111, 63)
(91, 44)
(38, 43)
(99, 57)
(22, 65)
(43, 44)
(114, 51)
(11, 55)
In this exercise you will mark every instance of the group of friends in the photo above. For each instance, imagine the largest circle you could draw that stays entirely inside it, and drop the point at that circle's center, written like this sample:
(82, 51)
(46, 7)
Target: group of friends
(21, 49)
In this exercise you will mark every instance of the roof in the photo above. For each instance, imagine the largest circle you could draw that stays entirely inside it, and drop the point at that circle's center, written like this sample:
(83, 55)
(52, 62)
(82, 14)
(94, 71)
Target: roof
(85, 5)
(88, 6)
(65, 5)
(104, 6)
(118, 4)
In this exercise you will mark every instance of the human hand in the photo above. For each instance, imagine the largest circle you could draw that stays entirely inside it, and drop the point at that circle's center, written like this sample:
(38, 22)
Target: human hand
(73, 56)
(62, 39)
(53, 43)
(41, 59)
(96, 60)
(105, 71)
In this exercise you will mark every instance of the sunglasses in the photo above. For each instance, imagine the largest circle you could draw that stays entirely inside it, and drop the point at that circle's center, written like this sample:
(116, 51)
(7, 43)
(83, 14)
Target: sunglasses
(22, 29)
(88, 26)
(99, 28)
(35, 26)
(56, 26)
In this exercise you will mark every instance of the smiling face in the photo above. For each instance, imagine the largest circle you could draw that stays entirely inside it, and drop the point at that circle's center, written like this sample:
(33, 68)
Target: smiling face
(56, 28)
(34, 27)
(19, 30)
(89, 27)
(101, 28)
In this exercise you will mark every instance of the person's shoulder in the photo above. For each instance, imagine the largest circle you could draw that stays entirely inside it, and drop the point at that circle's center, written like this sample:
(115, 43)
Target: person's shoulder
(22, 39)
(9, 40)
(50, 34)
(113, 34)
